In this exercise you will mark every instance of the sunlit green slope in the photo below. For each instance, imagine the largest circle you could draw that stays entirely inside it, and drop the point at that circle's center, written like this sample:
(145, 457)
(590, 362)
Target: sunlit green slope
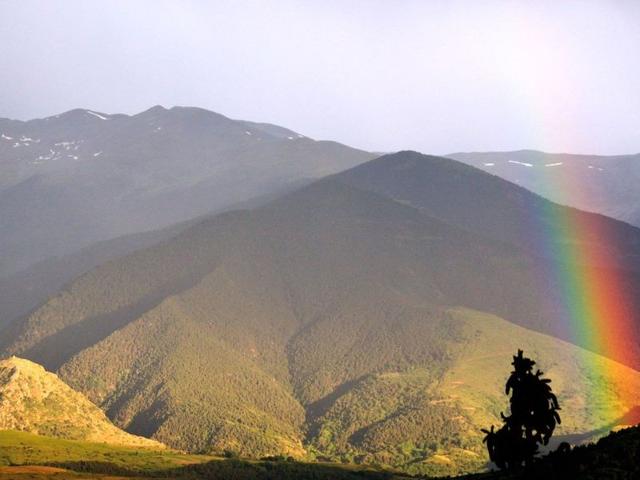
(428, 418)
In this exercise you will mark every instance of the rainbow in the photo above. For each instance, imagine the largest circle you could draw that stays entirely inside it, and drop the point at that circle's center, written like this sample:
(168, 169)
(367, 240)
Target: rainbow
(593, 299)
(593, 295)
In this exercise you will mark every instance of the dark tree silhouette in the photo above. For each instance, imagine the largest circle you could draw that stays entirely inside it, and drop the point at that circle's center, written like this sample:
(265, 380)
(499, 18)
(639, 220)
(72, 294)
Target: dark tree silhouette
(534, 415)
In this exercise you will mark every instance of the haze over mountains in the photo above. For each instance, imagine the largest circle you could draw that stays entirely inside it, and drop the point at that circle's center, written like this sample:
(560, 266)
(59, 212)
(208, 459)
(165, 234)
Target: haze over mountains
(80, 177)
(22, 291)
(349, 319)
(603, 184)
(83, 177)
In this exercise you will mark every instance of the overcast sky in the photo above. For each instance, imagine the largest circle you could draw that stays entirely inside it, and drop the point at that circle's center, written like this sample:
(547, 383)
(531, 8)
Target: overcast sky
(435, 76)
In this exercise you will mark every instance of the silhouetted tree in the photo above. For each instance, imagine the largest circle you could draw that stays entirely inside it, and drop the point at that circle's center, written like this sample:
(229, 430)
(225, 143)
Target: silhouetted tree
(534, 416)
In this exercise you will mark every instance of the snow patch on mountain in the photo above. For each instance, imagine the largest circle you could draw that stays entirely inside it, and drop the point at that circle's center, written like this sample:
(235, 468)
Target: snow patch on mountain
(516, 162)
(101, 117)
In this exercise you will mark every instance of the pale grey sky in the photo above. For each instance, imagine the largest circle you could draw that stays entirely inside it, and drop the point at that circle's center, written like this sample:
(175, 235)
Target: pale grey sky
(435, 76)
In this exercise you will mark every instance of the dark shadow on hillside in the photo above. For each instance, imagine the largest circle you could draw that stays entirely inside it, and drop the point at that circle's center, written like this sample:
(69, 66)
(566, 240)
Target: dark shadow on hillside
(146, 422)
(358, 437)
(632, 417)
(320, 407)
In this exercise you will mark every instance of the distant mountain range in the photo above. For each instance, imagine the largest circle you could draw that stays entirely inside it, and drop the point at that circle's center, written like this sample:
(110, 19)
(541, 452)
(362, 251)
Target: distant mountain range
(602, 184)
(81, 177)
(367, 317)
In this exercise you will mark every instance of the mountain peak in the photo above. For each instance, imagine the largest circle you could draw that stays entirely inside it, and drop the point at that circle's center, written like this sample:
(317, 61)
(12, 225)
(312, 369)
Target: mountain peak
(18, 364)
(155, 109)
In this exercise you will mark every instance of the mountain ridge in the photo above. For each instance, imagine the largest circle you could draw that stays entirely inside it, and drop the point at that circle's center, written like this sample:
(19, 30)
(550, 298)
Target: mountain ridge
(101, 176)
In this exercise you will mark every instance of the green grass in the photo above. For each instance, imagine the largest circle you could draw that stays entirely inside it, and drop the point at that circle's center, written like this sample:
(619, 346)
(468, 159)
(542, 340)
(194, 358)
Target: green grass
(20, 448)
(24, 449)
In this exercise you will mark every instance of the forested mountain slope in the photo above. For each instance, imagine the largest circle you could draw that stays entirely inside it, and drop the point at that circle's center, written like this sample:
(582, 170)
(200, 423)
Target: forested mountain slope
(334, 322)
